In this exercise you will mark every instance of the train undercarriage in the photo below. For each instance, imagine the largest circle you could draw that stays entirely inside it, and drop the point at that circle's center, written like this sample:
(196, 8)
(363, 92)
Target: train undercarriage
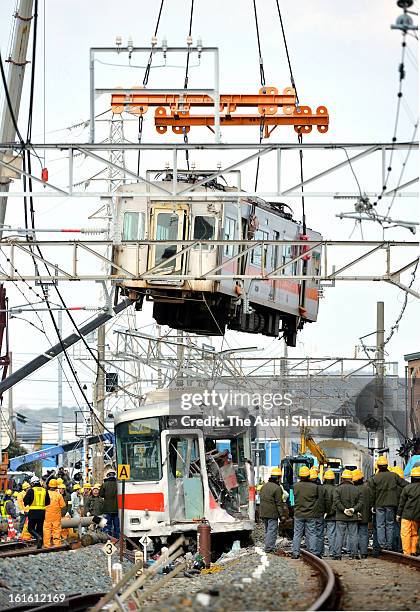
(211, 314)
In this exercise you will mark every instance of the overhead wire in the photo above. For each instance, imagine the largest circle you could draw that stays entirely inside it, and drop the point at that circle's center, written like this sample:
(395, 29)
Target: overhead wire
(145, 82)
(186, 78)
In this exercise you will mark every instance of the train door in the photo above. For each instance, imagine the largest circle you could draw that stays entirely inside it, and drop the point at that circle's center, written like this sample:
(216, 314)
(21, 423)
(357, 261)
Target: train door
(185, 466)
(168, 224)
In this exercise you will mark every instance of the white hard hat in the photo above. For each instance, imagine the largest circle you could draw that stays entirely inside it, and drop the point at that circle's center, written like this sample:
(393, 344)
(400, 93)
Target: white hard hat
(34, 479)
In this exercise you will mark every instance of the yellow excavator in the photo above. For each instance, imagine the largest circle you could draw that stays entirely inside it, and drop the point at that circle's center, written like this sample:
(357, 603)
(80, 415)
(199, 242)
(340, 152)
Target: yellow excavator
(290, 465)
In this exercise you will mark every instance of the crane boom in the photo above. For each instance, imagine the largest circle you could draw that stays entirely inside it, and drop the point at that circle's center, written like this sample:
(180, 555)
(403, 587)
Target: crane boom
(54, 351)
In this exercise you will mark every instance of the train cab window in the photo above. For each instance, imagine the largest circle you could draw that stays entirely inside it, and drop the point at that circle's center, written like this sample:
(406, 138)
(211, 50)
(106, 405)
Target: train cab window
(230, 230)
(138, 444)
(166, 229)
(133, 226)
(258, 252)
(204, 228)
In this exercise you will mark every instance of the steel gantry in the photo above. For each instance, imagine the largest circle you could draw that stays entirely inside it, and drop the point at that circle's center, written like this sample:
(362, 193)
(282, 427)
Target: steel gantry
(81, 256)
(226, 157)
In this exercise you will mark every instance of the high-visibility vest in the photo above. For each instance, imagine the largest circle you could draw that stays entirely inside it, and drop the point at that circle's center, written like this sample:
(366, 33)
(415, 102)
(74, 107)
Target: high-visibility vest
(39, 499)
(3, 512)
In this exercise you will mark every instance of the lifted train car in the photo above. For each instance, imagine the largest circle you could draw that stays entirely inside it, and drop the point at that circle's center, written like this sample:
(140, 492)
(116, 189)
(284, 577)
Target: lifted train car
(209, 306)
(178, 477)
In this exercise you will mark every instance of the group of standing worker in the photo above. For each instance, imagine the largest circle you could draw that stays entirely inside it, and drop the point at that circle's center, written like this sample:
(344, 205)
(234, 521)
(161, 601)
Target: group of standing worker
(340, 515)
(42, 506)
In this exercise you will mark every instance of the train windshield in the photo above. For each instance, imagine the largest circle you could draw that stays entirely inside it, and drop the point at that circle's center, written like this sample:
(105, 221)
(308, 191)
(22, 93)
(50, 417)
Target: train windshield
(138, 444)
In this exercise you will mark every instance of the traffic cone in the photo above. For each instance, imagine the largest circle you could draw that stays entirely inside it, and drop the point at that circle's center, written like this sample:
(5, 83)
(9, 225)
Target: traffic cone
(25, 535)
(11, 532)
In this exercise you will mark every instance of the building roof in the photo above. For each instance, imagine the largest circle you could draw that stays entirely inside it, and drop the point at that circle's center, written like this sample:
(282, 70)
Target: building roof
(412, 356)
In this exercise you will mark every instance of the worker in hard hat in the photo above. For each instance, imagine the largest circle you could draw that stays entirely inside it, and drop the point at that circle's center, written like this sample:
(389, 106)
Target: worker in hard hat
(272, 508)
(308, 498)
(408, 513)
(76, 501)
(348, 503)
(414, 460)
(86, 494)
(396, 538)
(95, 503)
(364, 516)
(329, 510)
(109, 493)
(65, 510)
(37, 498)
(52, 522)
(8, 509)
(23, 510)
(319, 512)
(386, 490)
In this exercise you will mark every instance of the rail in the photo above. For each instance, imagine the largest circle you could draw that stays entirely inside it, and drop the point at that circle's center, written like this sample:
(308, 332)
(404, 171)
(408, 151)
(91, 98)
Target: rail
(331, 591)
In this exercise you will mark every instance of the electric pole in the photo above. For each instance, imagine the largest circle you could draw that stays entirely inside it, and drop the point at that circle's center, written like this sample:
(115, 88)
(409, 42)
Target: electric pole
(100, 405)
(380, 331)
(16, 73)
(60, 388)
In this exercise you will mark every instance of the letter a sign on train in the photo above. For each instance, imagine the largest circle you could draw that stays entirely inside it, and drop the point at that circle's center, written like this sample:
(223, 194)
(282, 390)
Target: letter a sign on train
(123, 471)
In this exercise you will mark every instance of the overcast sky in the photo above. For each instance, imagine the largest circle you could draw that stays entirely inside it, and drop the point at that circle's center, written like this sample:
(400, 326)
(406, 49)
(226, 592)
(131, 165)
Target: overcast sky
(344, 56)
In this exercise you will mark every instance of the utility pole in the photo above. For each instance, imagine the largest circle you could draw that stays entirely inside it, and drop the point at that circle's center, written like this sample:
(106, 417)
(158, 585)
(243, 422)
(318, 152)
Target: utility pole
(60, 387)
(16, 73)
(283, 439)
(100, 405)
(12, 427)
(380, 336)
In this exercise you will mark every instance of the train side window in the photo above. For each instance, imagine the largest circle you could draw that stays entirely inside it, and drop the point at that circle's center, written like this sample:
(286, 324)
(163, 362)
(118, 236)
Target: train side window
(275, 251)
(133, 226)
(287, 256)
(256, 253)
(204, 229)
(230, 228)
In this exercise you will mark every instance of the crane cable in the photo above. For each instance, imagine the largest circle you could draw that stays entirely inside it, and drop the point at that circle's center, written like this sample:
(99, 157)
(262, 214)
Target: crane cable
(186, 78)
(262, 81)
(145, 82)
(293, 83)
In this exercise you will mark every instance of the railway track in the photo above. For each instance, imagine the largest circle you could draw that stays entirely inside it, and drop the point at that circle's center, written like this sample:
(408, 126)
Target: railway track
(18, 549)
(367, 584)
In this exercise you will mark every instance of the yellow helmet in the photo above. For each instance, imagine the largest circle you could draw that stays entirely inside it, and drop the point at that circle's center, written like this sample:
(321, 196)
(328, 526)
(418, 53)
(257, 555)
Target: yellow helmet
(313, 474)
(357, 475)
(76, 487)
(87, 485)
(415, 472)
(397, 470)
(8, 491)
(96, 486)
(15, 494)
(347, 474)
(25, 485)
(329, 475)
(62, 486)
(382, 460)
(276, 471)
(52, 483)
(60, 481)
(304, 471)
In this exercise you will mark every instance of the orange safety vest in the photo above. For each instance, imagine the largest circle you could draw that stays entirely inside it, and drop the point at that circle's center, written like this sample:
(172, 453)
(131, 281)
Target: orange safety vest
(39, 498)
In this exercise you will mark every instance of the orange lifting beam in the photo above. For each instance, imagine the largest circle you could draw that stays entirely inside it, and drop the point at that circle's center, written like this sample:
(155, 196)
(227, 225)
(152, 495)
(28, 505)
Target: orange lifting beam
(268, 100)
(301, 118)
